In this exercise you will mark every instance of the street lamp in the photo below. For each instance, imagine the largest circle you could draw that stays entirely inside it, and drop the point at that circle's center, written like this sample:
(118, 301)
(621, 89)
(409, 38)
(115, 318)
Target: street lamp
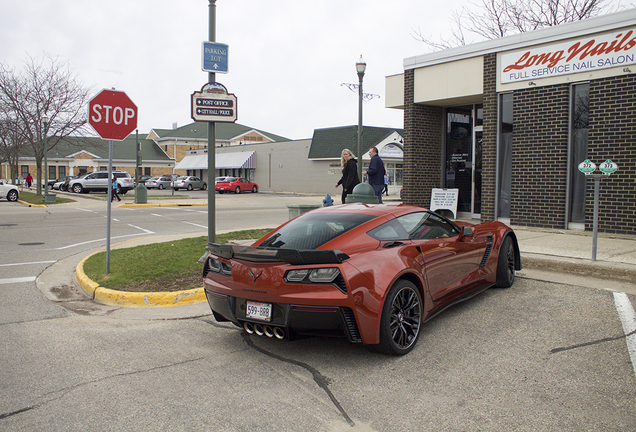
(361, 66)
(45, 120)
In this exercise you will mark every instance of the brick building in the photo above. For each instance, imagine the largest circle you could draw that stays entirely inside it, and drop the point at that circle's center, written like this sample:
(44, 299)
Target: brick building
(508, 121)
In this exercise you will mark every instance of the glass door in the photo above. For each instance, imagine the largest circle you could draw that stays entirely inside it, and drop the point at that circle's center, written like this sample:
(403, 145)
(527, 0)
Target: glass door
(464, 131)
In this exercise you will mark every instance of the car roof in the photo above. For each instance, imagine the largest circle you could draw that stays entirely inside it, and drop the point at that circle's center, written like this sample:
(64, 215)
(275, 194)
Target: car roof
(393, 208)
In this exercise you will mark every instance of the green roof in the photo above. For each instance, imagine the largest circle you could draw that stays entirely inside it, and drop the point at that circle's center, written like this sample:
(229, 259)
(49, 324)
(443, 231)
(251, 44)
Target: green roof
(328, 143)
(224, 132)
(122, 150)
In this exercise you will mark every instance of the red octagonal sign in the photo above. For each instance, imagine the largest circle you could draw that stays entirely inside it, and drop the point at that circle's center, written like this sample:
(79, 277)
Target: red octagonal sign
(112, 114)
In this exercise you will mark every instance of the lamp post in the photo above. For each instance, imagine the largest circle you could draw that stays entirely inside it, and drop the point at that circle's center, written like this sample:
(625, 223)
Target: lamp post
(45, 120)
(361, 66)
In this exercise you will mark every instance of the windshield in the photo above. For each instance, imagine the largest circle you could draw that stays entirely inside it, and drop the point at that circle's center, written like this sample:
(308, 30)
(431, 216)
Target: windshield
(310, 231)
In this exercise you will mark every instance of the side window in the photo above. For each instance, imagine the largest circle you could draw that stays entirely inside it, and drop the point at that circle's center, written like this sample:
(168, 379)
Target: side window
(102, 175)
(414, 226)
(91, 176)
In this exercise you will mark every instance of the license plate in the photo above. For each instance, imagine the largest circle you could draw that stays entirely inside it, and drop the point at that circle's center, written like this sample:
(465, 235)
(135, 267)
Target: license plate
(259, 311)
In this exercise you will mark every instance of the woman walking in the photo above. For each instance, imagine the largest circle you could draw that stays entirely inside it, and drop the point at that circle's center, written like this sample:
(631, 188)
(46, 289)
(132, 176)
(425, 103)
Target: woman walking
(349, 178)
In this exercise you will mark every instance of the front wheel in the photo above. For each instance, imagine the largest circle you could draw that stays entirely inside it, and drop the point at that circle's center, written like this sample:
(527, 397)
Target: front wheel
(254, 189)
(506, 264)
(78, 189)
(204, 187)
(401, 319)
(12, 195)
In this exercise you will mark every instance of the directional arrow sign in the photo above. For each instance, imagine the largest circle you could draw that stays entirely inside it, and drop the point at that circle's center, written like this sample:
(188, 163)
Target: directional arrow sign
(214, 107)
(214, 57)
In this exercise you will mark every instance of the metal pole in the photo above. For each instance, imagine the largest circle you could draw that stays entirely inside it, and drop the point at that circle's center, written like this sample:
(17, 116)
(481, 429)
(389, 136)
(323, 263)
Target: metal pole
(211, 137)
(110, 198)
(46, 169)
(597, 183)
(360, 76)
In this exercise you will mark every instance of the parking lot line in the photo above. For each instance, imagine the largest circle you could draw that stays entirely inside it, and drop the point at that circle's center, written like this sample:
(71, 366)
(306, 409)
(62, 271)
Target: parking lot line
(628, 319)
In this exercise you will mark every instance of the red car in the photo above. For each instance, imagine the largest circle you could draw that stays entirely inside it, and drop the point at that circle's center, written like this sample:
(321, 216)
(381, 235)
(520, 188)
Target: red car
(236, 185)
(370, 272)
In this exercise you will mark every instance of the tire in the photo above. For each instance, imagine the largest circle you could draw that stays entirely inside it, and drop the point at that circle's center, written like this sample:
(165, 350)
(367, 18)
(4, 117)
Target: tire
(254, 189)
(12, 195)
(176, 189)
(77, 188)
(189, 187)
(401, 319)
(221, 192)
(237, 190)
(506, 264)
(204, 187)
(160, 187)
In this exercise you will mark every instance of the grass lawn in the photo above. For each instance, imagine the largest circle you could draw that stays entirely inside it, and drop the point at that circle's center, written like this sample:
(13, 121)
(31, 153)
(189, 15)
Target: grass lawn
(170, 266)
(33, 198)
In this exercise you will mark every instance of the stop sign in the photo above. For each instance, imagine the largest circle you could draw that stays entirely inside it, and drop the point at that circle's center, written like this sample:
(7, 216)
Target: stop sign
(112, 114)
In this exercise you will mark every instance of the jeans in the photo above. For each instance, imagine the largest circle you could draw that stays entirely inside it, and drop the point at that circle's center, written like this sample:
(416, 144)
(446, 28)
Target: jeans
(378, 189)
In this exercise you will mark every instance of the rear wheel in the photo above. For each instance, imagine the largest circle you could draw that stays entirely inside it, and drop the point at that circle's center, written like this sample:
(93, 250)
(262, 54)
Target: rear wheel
(160, 187)
(237, 190)
(189, 187)
(506, 264)
(401, 319)
(221, 192)
(12, 195)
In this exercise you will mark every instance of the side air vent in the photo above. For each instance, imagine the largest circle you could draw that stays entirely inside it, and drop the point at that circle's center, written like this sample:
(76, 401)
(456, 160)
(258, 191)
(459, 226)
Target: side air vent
(484, 260)
(352, 325)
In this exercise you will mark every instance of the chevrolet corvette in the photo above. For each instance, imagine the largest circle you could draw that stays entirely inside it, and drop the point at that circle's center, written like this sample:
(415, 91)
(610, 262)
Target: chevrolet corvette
(373, 273)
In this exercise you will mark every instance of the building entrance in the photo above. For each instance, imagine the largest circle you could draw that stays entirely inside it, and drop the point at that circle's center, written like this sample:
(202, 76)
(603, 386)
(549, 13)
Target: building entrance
(463, 157)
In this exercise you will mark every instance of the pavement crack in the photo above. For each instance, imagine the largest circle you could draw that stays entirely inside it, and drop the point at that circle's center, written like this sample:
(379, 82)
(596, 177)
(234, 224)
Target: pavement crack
(596, 342)
(319, 379)
(60, 393)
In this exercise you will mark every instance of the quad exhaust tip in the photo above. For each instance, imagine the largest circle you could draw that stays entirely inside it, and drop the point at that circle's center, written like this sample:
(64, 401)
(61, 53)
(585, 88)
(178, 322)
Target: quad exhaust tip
(261, 330)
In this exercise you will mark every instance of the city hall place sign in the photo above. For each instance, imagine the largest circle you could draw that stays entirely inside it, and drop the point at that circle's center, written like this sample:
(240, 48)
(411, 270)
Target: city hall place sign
(579, 55)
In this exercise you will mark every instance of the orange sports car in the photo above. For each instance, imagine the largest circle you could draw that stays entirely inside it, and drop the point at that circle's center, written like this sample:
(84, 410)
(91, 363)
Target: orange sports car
(372, 273)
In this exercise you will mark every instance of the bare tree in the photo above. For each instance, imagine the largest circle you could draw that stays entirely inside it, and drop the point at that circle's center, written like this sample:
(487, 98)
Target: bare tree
(46, 88)
(493, 19)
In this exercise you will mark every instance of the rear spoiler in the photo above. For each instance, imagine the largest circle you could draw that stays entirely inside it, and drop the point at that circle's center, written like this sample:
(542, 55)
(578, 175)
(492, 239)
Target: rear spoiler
(291, 256)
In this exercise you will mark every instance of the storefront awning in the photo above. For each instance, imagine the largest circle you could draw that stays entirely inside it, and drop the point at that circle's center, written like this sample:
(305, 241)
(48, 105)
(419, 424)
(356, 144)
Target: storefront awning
(245, 160)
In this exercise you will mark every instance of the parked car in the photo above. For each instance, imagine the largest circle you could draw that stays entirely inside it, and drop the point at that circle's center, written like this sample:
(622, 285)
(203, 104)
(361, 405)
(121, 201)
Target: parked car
(158, 183)
(142, 179)
(236, 185)
(371, 273)
(189, 183)
(58, 182)
(9, 191)
(63, 186)
(99, 182)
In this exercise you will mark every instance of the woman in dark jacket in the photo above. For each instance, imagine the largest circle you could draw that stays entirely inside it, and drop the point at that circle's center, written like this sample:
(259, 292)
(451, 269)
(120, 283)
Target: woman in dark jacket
(349, 178)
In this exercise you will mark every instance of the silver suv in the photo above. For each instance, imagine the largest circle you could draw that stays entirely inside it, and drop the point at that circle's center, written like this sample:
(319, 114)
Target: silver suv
(98, 181)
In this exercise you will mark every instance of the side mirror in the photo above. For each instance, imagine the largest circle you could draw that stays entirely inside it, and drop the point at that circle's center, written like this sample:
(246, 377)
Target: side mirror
(467, 231)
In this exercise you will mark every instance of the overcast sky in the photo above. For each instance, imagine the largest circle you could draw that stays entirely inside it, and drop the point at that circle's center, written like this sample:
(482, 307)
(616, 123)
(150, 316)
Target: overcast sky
(287, 58)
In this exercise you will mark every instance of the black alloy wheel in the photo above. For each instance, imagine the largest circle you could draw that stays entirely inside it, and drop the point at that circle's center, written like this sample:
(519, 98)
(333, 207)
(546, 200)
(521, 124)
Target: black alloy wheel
(401, 319)
(506, 264)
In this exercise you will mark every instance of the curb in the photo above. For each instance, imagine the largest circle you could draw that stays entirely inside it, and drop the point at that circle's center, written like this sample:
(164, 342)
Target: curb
(135, 299)
(31, 205)
(164, 205)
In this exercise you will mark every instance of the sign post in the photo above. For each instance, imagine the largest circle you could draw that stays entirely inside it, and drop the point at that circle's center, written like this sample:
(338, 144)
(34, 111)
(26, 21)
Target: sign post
(113, 116)
(607, 168)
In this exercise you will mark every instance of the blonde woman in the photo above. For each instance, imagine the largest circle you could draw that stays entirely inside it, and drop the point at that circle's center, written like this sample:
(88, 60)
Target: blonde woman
(349, 178)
